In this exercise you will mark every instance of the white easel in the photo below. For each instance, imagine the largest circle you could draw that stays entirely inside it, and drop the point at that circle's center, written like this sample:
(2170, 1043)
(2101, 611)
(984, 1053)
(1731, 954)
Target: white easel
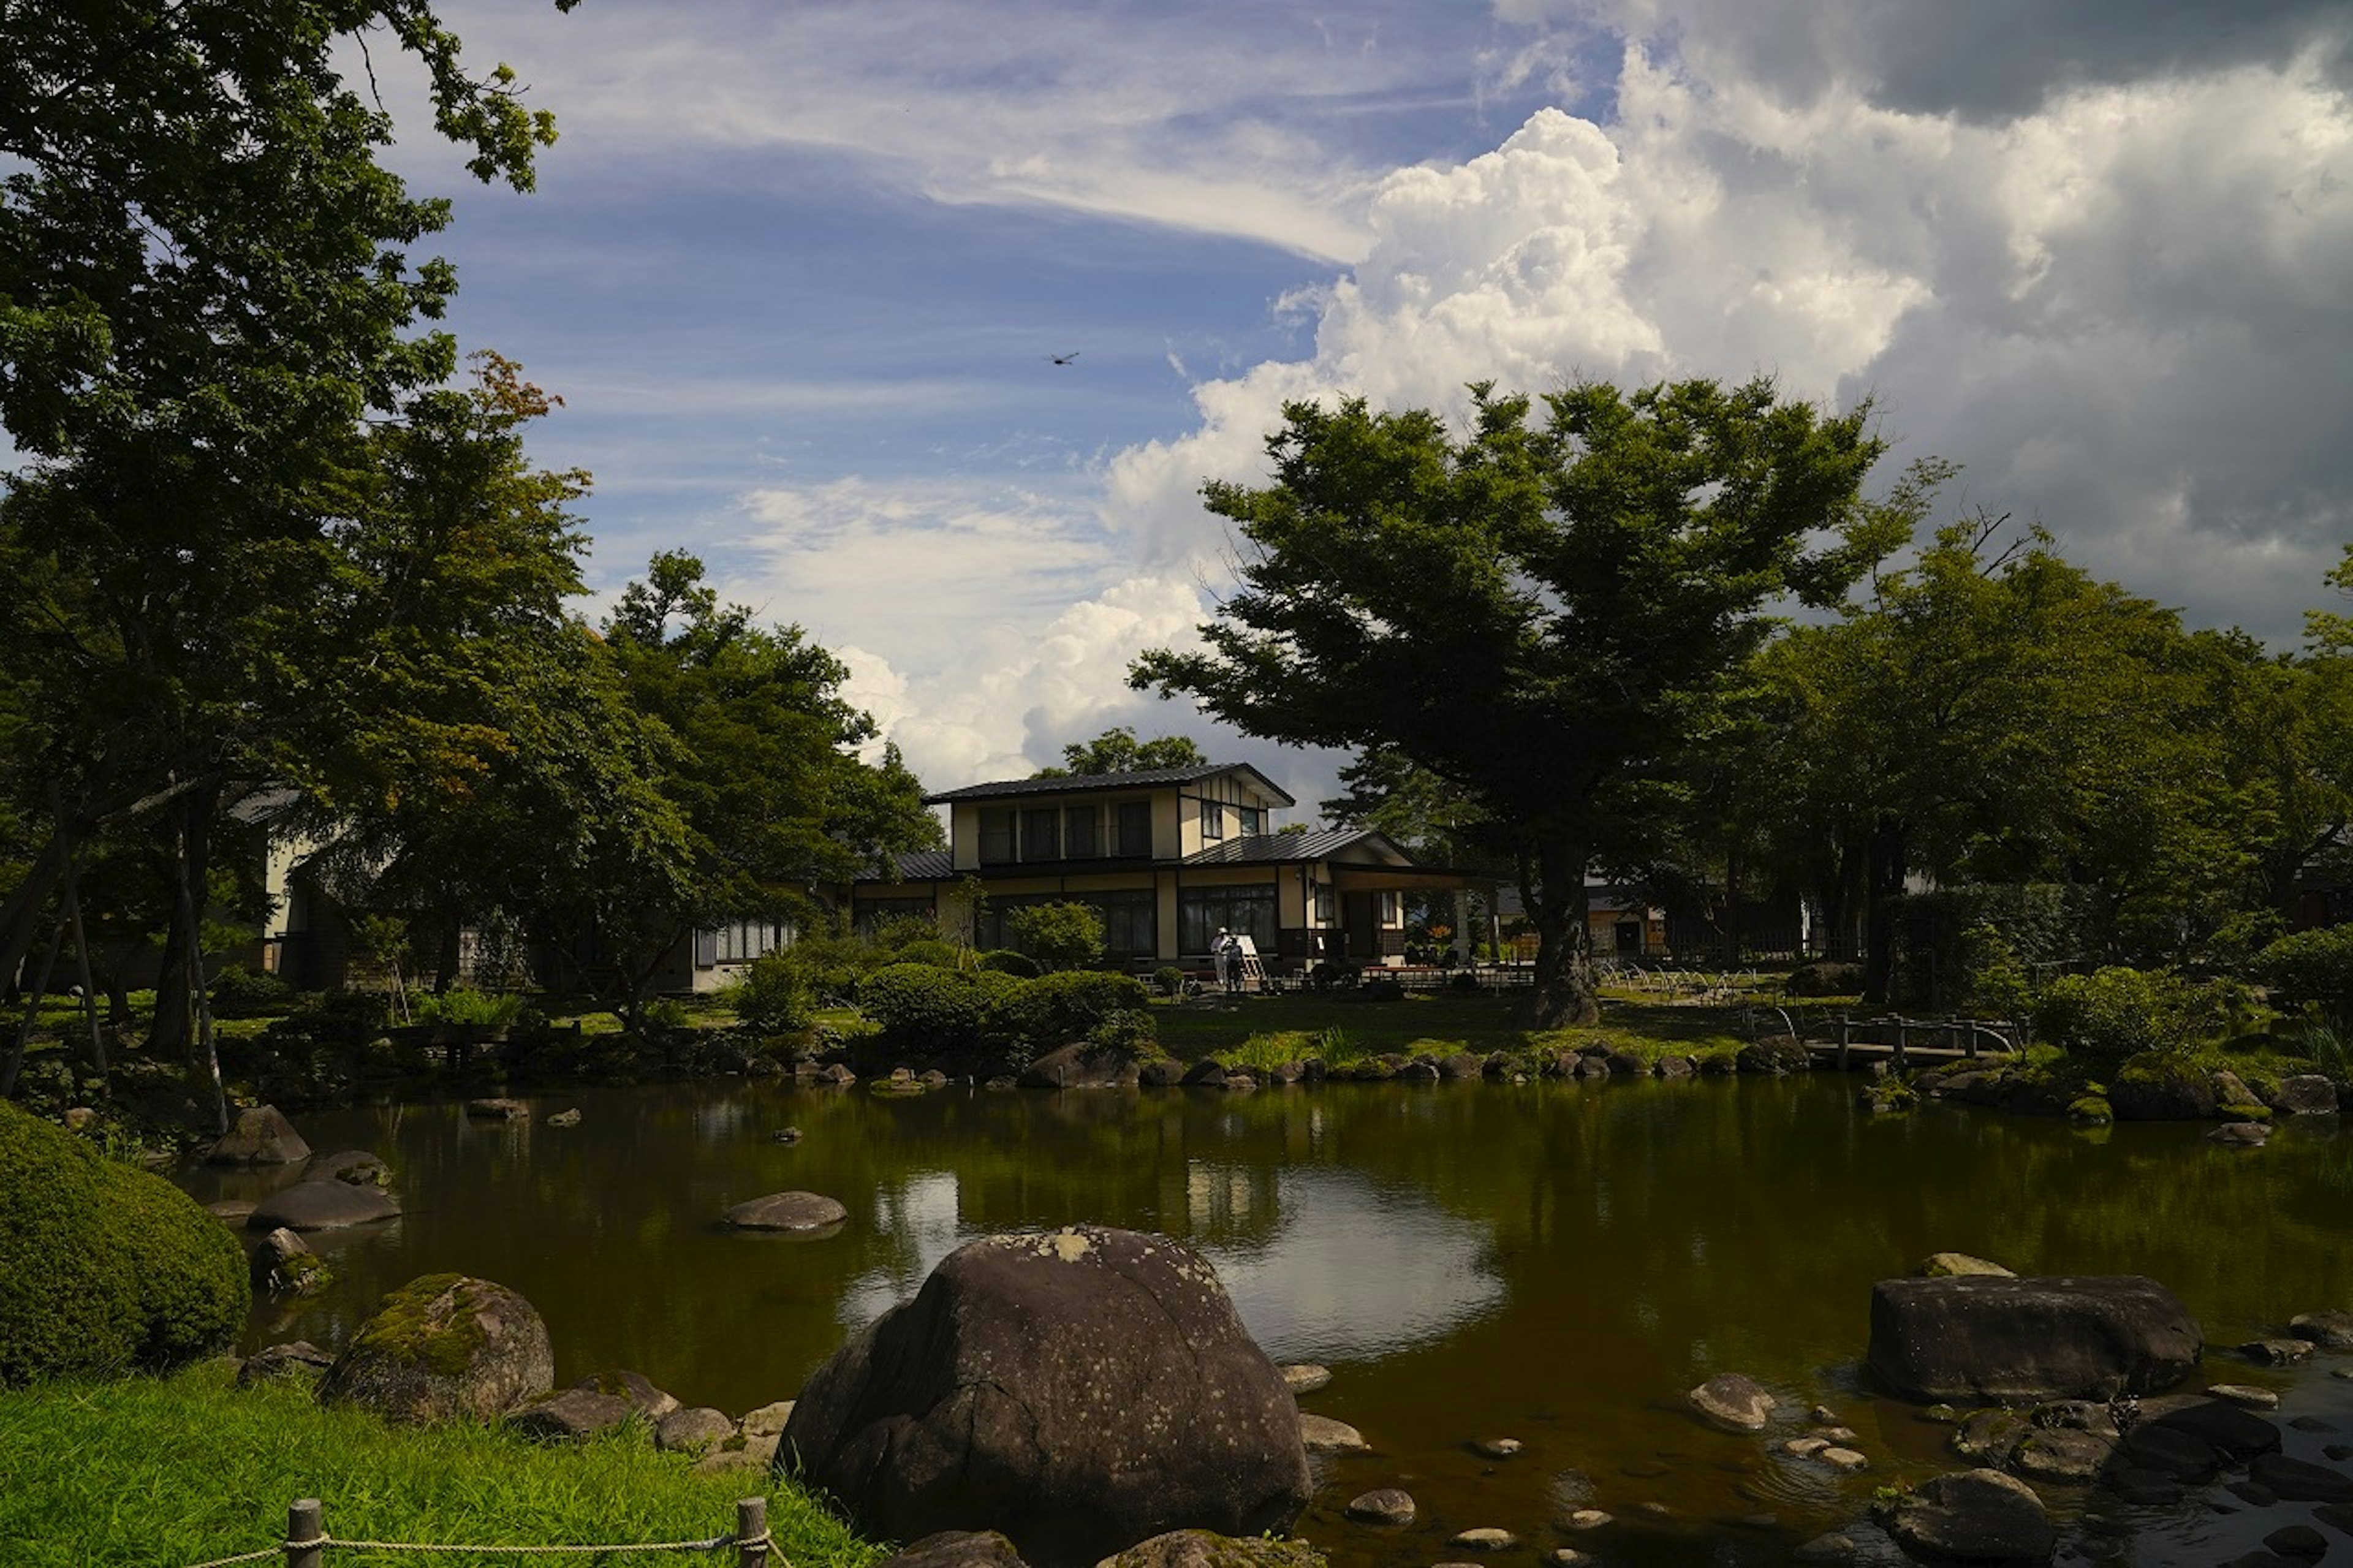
(1251, 970)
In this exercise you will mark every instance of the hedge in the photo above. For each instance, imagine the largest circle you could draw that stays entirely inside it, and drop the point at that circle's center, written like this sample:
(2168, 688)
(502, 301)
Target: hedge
(104, 1267)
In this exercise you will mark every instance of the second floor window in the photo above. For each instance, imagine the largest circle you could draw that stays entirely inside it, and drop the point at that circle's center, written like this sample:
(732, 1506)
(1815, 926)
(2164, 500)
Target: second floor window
(1254, 821)
(996, 836)
(1136, 829)
(1080, 838)
(1039, 841)
(1213, 819)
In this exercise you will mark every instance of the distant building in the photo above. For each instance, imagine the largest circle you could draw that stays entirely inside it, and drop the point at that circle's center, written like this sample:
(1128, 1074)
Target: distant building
(1167, 857)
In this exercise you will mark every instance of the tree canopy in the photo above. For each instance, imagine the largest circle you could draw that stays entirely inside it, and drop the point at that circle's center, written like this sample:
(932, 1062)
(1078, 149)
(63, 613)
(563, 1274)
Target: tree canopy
(1117, 751)
(1544, 614)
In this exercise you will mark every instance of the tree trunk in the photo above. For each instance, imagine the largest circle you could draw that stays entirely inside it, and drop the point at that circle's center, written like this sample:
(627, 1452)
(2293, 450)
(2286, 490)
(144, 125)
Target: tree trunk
(1883, 884)
(32, 1013)
(1556, 905)
(20, 915)
(189, 1022)
(82, 956)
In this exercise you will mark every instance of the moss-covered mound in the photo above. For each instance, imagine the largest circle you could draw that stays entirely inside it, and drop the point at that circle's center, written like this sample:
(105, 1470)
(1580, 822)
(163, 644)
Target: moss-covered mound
(104, 1267)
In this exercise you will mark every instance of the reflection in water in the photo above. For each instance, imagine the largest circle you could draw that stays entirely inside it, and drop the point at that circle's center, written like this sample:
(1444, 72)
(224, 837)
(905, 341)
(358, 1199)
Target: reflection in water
(1555, 1263)
(1354, 1272)
(920, 1214)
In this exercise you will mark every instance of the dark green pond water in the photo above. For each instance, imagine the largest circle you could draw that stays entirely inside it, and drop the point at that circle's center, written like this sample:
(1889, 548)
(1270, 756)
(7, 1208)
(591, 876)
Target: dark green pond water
(1550, 1263)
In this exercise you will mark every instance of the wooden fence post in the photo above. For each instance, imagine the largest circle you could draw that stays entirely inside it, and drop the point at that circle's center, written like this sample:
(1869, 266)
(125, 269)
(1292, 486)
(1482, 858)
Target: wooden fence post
(1954, 1036)
(306, 1527)
(1842, 1041)
(1900, 1028)
(751, 1533)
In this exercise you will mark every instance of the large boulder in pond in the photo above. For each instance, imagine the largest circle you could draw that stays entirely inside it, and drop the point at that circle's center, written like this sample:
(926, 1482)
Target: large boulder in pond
(1994, 1338)
(1083, 1065)
(262, 1136)
(441, 1347)
(1973, 1516)
(326, 1204)
(1079, 1390)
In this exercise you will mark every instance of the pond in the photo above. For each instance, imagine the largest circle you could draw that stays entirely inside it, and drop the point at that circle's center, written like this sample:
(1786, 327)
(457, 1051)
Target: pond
(1550, 1262)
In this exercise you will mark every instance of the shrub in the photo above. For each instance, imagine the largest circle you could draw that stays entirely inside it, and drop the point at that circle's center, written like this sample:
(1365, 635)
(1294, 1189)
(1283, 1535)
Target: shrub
(923, 1008)
(1061, 935)
(1170, 978)
(2311, 968)
(348, 1015)
(1824, 977)
(2116, 1013)
(1005, 960)
(1057, 1009)
(463, 1005)
(104, 1267)
(774, 996)
(932, 951)
(240, 992)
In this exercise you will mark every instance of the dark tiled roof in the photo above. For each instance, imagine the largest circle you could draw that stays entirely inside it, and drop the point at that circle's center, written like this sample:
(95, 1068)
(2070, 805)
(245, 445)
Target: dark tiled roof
(922, 865)
(1070, 783)
(1261, 849)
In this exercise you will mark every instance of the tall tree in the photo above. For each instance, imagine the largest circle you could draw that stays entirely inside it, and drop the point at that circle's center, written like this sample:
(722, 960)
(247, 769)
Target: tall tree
(204, 286)
(758, 760)
(1994, 713)
(1539, 614)
(1117, 751)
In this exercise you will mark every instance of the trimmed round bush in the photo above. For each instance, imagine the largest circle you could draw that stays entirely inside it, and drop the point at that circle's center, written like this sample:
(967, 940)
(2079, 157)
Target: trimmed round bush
(938, 955)
(1826, 978)
(1005, 960)
(104, 1269)
(1056, 1009)
(921, 1007)
(2310, 967)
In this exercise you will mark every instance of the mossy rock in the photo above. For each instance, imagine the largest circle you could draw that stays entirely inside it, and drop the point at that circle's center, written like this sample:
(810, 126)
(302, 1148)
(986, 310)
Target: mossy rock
(2092, 1109)
(104, 1267)
(444, 1347)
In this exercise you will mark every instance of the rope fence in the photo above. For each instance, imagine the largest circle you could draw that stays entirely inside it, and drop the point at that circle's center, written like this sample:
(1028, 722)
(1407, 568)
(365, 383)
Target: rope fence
(307, 1542)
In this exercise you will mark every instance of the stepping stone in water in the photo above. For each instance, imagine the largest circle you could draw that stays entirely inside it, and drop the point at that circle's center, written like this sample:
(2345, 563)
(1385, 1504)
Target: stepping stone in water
(2246, 1395)
(1387, 1506)
(1322, 1435)
(1486, 1538)
(1303, 1378)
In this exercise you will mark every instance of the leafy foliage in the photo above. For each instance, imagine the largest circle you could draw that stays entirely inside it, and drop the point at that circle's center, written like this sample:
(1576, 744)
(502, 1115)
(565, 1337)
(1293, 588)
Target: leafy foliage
(1117, 751)
(2116, 1013)
(1060, 935)
(2312, 968)
(1543, 616)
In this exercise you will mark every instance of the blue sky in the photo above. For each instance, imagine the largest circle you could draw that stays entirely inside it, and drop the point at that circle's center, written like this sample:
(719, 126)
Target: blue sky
(797, 271)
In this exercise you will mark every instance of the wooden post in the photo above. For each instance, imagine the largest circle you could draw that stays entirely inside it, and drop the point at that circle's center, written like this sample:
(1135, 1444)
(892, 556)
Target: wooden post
(751, 1533)
(1900, 1027)
(1969, 1038)
(1842, 1041)
(306, 1530)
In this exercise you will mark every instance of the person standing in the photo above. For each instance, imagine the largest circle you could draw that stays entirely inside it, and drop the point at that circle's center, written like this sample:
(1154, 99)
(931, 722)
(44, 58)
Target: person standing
(1226, 955)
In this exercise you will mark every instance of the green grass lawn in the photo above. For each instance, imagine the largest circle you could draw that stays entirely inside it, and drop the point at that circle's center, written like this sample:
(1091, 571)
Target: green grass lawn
(160, 1473)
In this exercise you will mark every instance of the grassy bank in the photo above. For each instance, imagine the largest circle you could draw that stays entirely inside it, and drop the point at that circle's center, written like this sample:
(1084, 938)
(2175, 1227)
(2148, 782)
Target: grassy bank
(1264, 1030)
(148, 1473)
